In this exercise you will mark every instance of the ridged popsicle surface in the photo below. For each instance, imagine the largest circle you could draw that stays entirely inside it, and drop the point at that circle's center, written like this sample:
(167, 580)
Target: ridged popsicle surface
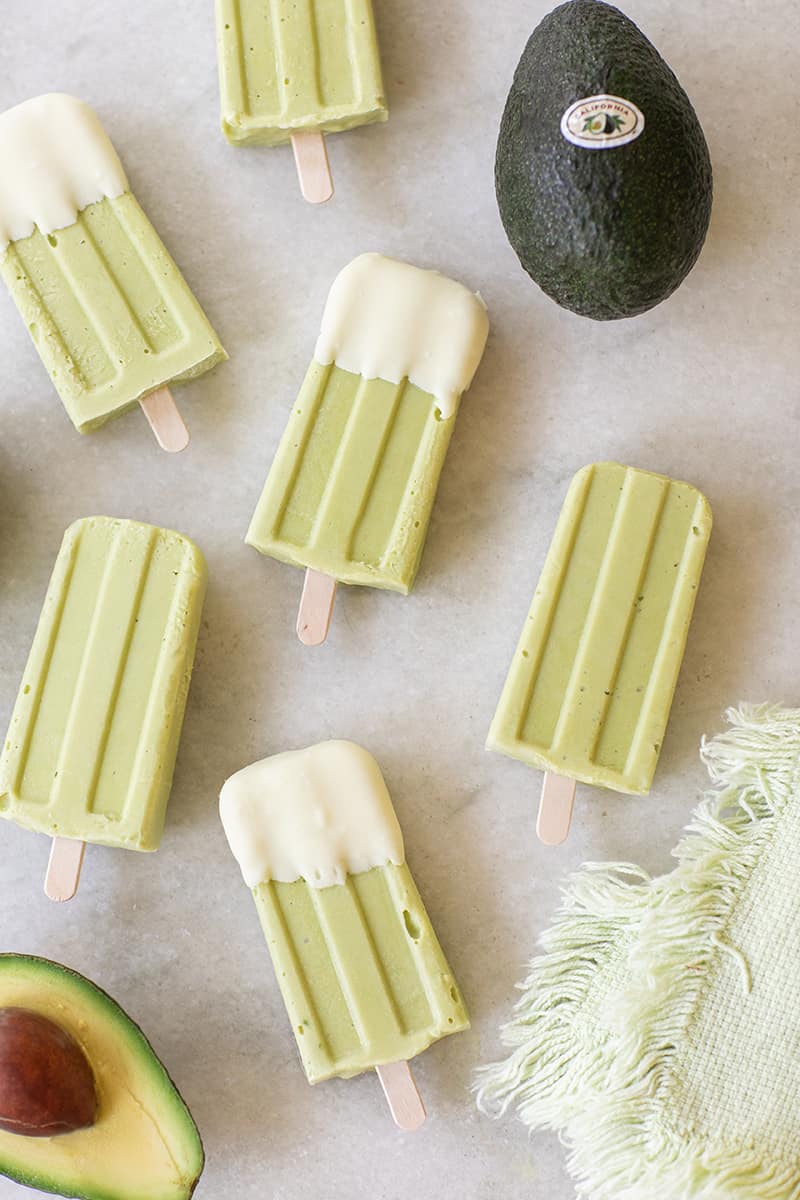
(591, 684)
(91, 747)
(352, 485)
(288, 66)
(362, 974)
(108, 310)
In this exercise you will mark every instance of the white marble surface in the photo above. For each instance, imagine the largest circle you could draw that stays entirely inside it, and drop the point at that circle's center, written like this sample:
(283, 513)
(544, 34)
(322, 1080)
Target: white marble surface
(705, 388)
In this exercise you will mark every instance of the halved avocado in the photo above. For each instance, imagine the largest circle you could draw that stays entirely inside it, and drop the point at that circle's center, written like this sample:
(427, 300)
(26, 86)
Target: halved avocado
(144, 1144)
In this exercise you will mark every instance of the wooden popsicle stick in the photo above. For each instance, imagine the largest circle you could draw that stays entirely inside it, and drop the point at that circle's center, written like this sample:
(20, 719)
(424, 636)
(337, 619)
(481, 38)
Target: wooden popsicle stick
(316, 608)
(64, 869)
(313, 168)
(555, 809)
(165, 421)
(402, 1096)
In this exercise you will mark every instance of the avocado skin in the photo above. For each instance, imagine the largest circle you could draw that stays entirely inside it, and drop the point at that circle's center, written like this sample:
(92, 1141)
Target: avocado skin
(606, 233)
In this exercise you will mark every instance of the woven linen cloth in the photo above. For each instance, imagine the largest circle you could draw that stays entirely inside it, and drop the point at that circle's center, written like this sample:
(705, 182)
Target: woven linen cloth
(659, 1032)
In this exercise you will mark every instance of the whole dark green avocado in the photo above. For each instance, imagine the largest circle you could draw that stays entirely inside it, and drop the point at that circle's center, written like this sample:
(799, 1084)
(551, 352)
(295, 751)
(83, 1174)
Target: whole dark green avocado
(610, 232)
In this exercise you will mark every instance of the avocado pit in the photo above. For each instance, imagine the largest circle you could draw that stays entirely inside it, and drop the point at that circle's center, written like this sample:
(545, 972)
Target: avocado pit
(47, 1087)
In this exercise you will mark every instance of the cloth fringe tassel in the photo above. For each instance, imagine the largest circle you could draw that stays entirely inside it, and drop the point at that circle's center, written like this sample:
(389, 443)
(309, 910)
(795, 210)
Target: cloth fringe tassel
(600, 1088)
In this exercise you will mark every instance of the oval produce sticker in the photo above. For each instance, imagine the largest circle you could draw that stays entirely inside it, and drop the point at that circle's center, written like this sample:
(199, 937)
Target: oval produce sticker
(602, 122)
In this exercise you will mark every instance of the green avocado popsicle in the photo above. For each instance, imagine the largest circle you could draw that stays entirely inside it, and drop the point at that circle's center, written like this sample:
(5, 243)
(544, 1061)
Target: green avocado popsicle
(294, 70)
(351, 489)
(109, 312)
(291, 66)
(590, 687)
(363, 976)
(91, 746)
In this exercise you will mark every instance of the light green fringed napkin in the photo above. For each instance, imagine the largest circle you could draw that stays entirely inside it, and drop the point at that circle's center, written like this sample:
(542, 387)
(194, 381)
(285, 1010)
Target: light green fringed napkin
(659, 1033)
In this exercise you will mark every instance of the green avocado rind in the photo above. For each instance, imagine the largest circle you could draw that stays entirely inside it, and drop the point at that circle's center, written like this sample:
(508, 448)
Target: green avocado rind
(55, 975)
(606, 233)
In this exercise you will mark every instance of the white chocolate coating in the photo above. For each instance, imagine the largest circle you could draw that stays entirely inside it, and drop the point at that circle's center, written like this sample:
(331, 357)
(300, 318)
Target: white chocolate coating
(55, 160)
(319, 814)
(387, 320)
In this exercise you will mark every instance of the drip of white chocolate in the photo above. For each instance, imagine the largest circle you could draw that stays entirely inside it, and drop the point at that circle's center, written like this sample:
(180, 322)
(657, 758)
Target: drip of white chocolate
(319, 814)
(55, 160)
(387, 320)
